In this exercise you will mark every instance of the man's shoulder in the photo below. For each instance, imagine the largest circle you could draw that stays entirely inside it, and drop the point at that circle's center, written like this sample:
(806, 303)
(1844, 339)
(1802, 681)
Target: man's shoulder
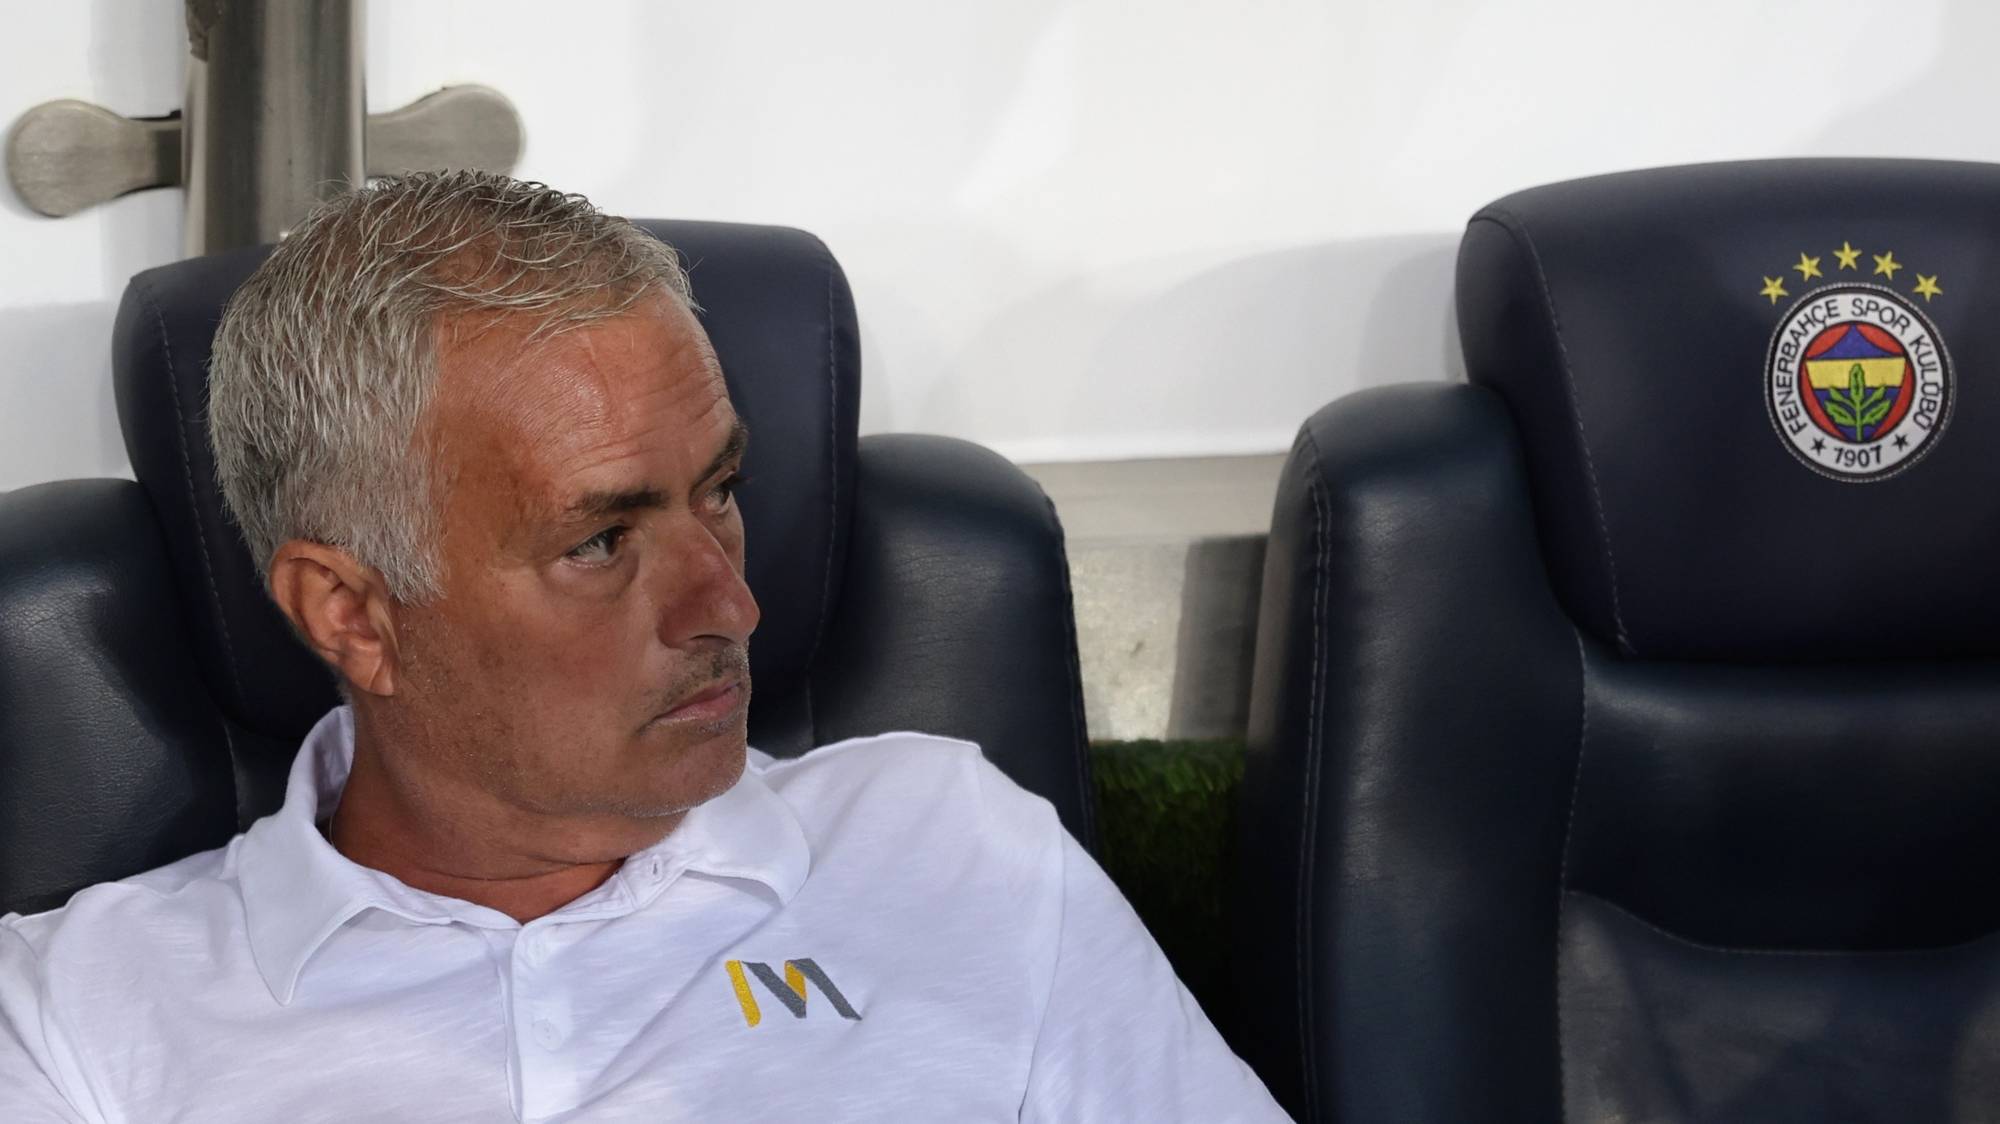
(895, 765)
(114, 917)
(854, 759)
(914, 788)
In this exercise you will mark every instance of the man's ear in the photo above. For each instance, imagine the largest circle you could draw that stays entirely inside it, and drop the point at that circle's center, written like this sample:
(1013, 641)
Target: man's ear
(341, 608)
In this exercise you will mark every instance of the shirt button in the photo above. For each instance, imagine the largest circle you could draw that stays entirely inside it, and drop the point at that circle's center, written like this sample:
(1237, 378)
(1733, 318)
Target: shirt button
(656, 869)
(548, 1033)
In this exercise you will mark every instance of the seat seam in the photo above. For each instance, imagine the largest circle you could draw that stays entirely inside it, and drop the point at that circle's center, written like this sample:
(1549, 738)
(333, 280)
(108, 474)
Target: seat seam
(1517, 230)
(1562, 871)
(1315, 725)
(235, 789)
(187, 478)
(1729, 950)
(828, 266)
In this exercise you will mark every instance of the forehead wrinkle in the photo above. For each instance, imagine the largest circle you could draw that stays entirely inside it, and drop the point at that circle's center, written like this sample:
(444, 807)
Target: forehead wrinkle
(627, 443)
(604, 360)
(706, 454)
(496, 421)
(504, 348)
(552, 407)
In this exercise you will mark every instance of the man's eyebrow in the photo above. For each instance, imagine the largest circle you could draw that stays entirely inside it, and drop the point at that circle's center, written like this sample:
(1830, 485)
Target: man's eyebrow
(739, 440)
(598, 505)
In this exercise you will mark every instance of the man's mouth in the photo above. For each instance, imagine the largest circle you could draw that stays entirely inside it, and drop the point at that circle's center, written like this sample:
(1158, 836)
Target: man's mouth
(717, 701)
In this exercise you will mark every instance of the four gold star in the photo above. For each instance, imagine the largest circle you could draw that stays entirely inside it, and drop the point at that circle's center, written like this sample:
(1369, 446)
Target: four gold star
(1808, 268)
(1774, 287)
(1927, 287)
(1847, 254)
(1886, 265)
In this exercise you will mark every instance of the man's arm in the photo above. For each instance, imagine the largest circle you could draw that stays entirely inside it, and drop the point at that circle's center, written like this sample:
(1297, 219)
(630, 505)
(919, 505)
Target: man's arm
(28, 1093)
(1120, 1038)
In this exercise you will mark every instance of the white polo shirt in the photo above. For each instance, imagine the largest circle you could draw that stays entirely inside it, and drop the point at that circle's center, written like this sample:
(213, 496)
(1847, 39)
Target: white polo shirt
(883, 929)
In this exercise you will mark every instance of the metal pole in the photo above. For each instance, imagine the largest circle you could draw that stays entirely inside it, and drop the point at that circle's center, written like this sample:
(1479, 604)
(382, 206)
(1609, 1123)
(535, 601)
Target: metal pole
(274, 123)
(276, 115)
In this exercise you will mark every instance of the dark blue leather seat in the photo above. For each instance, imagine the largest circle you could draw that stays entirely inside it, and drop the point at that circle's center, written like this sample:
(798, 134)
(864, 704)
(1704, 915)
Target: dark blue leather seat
(1626, 732)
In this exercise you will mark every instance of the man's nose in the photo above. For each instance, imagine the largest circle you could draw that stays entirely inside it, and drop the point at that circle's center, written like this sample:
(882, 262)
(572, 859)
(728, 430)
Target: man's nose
(702, 593)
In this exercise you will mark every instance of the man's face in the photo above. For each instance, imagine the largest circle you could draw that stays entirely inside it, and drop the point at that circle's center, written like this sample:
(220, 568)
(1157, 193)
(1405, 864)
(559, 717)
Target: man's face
(589, 654)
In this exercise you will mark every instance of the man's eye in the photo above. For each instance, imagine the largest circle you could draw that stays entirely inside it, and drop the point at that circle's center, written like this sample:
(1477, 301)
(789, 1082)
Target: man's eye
(725, 492)
(599, 548)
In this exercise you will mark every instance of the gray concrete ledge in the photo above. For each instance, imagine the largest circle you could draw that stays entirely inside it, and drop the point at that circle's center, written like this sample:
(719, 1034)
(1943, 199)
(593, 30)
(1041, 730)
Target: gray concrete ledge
(1166, 561)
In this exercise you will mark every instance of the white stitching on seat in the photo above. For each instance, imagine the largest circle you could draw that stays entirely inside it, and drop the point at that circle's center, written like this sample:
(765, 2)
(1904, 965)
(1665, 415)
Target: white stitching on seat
(1315, 711)
(832, 492)
(1562, 874)
(187, 477)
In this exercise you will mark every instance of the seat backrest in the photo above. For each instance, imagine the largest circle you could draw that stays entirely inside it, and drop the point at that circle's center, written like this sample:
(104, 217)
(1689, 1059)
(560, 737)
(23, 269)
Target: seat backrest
(1643, 691)
(905, 582)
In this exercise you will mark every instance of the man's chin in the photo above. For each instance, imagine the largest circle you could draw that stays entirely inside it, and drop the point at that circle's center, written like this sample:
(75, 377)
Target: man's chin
(677, 778)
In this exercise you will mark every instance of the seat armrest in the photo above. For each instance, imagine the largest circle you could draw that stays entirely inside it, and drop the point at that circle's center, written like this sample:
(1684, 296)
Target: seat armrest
(1412, 739)
(955, 618)
(93, 652)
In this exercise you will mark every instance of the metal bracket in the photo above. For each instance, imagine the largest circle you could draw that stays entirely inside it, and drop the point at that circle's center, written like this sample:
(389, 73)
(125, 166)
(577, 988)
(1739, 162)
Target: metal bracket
(456, 127)
(68, 155)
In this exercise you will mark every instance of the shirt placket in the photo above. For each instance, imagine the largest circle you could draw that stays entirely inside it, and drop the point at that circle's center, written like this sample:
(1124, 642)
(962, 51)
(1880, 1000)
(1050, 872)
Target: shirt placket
(544, 1030)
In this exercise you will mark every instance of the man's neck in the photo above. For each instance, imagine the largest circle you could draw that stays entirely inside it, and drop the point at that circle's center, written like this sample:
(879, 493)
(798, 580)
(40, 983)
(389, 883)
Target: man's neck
(450, 839)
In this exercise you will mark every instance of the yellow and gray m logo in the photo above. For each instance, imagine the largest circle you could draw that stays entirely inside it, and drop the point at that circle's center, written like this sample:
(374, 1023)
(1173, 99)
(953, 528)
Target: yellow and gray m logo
(790, 990)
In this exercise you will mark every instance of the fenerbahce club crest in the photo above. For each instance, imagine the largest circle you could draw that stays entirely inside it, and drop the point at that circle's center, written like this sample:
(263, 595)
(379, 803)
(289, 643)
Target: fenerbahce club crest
(1857, 379)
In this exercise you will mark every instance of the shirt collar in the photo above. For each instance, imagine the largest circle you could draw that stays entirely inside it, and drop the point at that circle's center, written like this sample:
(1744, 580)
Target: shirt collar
(298, 891)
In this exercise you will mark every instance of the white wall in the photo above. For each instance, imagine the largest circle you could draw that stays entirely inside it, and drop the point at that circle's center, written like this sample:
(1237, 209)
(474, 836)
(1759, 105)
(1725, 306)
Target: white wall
(1076, 228)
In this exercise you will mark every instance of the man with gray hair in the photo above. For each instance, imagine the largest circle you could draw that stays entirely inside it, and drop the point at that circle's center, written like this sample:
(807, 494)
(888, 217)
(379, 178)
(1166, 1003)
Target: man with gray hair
(479, 443)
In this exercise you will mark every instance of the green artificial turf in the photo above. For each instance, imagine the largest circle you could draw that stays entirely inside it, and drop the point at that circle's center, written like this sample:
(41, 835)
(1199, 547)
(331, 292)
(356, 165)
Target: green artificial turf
(1166, 824)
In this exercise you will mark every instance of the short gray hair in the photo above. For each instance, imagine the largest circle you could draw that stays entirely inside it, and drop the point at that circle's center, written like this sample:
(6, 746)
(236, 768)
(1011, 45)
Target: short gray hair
(327, 358)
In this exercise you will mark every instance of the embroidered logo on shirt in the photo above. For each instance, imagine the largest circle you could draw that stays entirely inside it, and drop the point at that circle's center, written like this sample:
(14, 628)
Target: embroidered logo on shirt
(789, 990)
